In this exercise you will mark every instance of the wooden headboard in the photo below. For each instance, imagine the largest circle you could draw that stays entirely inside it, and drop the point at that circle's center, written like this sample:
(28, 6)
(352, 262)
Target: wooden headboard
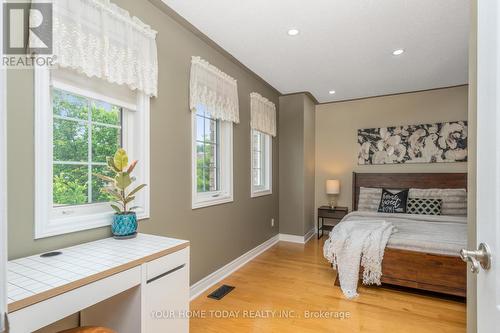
(405, 180)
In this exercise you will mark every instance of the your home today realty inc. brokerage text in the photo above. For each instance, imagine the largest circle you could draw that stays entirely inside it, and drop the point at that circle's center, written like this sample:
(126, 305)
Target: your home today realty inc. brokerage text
(251, 314)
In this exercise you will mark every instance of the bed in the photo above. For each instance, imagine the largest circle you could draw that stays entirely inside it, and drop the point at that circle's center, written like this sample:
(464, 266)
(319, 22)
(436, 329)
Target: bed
(424, 253)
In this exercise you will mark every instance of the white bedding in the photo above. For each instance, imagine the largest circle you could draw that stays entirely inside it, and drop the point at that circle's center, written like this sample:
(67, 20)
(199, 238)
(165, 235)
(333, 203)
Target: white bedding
(437, 234)
(352, 242)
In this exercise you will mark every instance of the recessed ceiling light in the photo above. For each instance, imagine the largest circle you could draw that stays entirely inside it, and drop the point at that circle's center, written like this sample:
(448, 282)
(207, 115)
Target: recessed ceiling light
(331, 92)
(293, 32)
(398, 52)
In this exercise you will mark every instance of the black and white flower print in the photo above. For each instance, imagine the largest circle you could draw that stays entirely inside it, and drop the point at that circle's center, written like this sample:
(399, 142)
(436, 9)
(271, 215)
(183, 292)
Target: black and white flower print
(428, 143)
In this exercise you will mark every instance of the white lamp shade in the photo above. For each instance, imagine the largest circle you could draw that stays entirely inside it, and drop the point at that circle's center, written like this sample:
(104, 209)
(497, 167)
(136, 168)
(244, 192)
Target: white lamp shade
(332, 186)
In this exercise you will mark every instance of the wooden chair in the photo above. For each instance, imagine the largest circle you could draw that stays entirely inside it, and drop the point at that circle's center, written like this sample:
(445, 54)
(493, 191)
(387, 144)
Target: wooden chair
(89, 329)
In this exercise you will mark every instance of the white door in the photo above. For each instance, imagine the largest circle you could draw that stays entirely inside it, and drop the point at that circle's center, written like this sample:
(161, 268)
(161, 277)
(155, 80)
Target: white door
(488, 163)
(3, 209)
(3, 188)
(3, 214)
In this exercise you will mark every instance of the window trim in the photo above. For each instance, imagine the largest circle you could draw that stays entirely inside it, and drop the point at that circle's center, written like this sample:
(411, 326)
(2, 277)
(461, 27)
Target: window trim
(93, 95)
(260, 191)
(89, 216)
(225, 194)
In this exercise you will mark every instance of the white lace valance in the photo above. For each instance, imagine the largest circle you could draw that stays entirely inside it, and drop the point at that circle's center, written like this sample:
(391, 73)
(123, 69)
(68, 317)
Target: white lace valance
(263, 114)
(99, 39)
(213, 89)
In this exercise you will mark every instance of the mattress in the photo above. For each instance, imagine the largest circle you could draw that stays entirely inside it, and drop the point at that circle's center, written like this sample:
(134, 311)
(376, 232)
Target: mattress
(441, 234)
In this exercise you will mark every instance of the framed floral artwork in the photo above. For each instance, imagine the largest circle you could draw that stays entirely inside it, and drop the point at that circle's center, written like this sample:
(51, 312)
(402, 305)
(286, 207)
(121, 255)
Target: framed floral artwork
(426, 143)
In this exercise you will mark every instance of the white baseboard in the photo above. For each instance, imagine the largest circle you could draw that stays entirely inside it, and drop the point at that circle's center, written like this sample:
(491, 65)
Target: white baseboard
(298, 239)
(201, 286)
(309, 234)
(291, 238)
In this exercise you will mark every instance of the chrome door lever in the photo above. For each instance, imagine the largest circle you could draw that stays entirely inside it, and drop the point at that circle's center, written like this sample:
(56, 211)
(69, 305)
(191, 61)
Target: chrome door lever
(479, 258)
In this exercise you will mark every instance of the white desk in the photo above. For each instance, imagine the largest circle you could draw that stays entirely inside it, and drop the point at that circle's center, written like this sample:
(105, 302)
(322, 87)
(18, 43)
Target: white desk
(121, 284)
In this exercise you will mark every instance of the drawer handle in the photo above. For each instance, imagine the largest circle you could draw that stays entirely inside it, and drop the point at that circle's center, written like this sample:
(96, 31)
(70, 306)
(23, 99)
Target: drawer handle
(166, 273)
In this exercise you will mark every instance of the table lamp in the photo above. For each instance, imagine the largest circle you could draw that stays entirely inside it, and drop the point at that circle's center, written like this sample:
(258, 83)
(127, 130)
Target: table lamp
(332, 189)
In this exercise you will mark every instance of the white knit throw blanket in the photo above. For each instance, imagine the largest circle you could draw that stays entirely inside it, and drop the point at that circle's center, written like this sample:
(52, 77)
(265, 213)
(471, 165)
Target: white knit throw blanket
(352, 242)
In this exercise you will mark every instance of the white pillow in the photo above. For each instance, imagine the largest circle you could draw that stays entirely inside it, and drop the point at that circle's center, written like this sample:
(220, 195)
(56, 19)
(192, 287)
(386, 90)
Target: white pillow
(369, 199)
(454, 201)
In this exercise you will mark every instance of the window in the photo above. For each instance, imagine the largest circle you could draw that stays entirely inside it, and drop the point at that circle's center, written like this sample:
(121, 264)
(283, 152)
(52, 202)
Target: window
(207, 153)
(79, 122)
(212, 160)
(85, 132)
(261, 164)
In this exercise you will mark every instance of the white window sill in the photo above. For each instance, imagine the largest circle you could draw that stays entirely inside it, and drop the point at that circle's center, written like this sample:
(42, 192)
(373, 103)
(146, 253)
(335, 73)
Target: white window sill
(256, 194)
(68, 225)
(212, 201)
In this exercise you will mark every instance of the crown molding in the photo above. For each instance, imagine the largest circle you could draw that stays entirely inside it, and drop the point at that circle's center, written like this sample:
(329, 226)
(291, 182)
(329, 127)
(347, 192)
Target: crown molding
(394, 94)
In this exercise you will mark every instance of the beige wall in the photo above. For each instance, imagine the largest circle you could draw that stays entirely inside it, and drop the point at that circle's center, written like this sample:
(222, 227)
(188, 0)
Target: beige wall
(218, 234)
(309, 162)
(296, 156)
(337, 125)
(291, 159)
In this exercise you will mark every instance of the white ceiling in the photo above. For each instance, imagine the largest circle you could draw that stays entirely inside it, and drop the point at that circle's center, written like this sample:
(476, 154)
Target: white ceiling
(343, 45)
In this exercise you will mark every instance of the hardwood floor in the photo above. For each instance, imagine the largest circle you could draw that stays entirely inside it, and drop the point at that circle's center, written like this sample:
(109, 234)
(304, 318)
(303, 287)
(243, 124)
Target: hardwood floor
(294, 280)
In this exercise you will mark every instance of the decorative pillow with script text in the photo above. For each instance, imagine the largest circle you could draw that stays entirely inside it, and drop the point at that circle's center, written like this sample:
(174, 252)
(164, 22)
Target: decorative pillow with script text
(393, 202)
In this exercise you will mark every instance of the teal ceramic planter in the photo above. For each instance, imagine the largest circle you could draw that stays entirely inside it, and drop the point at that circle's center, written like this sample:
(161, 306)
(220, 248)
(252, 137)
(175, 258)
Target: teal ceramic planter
(124, 225)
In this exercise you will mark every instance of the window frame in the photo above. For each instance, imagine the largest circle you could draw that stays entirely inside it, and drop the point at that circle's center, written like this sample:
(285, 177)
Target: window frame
(50, 220)
(225, 193)
(267, 188)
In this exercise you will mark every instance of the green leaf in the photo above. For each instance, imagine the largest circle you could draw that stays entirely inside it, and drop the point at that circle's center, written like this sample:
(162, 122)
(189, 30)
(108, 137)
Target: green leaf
(123, 180)
(113, 193)
(129, 199)
(121, 159)
(134, 208)
(111, 164)
(137, 189)
(116, 208)
(110, 190)
(105, 178)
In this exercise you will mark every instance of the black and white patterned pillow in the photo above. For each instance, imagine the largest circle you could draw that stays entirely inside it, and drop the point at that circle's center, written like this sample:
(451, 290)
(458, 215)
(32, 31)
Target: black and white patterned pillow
(393, 202)
(423, 206)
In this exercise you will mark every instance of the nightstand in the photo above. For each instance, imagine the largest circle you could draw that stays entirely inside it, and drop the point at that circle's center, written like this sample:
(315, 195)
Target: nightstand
(336, 215)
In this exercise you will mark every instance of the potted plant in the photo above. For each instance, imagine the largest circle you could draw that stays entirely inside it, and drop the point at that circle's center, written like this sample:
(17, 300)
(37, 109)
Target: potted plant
(124, 220)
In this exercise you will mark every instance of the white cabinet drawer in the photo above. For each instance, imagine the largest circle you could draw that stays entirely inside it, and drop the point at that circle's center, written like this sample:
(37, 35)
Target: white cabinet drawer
(163, 265)
(167, 303)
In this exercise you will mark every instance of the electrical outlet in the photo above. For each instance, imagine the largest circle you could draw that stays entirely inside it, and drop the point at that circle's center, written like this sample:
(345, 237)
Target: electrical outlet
(272, 222)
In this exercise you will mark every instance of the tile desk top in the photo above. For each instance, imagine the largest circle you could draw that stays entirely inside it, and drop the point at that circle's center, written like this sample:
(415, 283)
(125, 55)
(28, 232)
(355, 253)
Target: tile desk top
(34, 279)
